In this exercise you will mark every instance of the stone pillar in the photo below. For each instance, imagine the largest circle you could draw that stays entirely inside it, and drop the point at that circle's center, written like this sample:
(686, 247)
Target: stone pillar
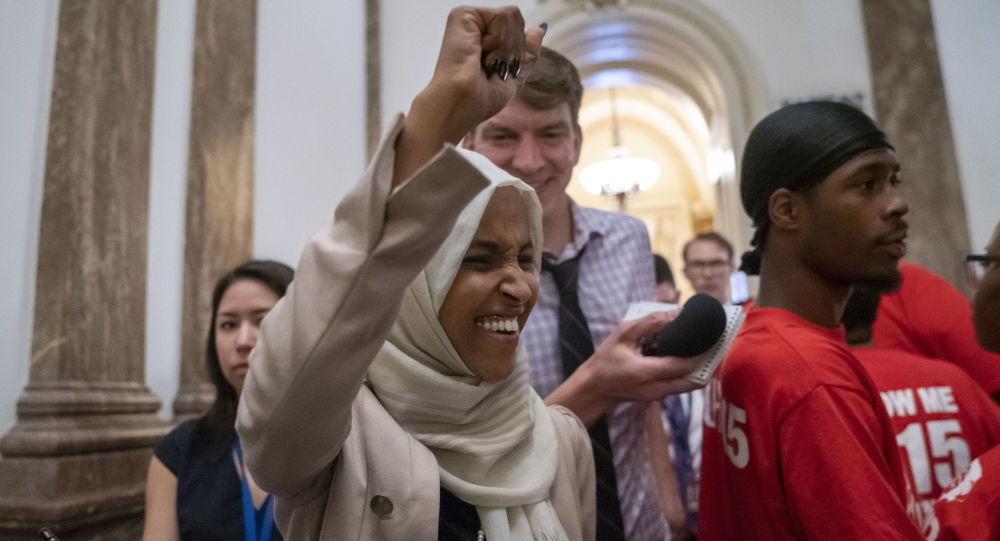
(220, 188)
(76, 459)
(373, 77)
(911, 107)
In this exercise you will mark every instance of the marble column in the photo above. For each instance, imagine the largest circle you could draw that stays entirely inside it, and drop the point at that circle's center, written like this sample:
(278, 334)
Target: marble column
(911, 107)
(77, 457)
(373, 77)
(220, 187)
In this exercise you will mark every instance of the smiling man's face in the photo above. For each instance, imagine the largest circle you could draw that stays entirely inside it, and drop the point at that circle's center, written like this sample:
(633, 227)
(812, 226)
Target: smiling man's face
(538, 146)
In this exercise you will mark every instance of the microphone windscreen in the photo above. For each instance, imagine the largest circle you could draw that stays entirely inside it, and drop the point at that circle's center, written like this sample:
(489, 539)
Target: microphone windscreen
(695, 330)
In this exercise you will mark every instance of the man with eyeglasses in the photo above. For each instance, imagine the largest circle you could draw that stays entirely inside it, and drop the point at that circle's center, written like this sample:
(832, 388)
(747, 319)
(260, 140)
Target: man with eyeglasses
(971, 509)
(708, 263)
(986, 303)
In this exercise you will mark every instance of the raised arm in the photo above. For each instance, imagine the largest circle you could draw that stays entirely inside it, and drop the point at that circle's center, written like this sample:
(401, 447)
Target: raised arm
(316, 344)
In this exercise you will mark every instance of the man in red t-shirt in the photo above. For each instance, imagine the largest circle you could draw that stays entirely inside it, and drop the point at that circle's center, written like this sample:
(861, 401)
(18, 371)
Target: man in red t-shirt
(797, 443)
(970, 510)
(930, 317)
(941, 417)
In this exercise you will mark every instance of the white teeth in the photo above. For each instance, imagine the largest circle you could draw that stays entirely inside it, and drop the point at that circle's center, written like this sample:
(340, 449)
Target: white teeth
(498, 325)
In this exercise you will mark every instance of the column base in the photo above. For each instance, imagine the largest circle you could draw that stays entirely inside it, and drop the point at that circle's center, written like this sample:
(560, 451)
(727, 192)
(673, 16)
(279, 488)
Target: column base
(97, 492)
(76, 460)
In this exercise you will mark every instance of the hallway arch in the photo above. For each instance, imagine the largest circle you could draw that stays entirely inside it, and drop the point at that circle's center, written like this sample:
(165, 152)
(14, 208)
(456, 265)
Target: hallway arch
(686, 80)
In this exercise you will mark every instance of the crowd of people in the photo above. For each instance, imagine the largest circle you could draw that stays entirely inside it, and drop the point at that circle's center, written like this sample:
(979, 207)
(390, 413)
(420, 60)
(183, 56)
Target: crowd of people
(451, 360)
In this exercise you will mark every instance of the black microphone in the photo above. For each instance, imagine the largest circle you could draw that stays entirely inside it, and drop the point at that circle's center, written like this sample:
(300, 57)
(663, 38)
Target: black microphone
(695, 330)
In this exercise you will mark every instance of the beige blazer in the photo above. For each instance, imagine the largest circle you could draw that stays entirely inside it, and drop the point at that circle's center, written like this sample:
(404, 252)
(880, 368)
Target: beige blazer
(313, 435)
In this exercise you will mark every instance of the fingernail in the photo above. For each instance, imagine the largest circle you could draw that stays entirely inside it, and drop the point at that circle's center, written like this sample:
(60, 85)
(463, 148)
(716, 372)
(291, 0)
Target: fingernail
(502, 70)
(544, 27)
(516, 68)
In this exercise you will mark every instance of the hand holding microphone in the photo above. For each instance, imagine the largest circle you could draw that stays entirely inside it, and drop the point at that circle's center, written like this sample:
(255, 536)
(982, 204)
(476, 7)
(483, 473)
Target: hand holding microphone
(652, 354)
(698, 327)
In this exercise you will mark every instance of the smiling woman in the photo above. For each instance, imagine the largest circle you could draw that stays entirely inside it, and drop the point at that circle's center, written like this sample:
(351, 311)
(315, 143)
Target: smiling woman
(494, 290)
(445, 426)
(456, 381)
(391, 371)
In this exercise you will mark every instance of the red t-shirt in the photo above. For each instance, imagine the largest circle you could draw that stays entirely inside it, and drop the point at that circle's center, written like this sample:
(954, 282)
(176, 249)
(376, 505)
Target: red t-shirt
(929, 317)
(797, 443)
(941, 417)
(970, 510)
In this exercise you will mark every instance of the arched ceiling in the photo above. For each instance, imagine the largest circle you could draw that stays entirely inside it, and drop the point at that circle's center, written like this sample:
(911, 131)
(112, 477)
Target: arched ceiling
(690, 92)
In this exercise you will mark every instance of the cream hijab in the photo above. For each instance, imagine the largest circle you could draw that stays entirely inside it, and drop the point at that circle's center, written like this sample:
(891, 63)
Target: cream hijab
(494, 442)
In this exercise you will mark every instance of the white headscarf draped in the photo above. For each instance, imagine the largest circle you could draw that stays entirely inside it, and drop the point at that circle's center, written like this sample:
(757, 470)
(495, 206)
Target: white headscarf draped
(494, 442)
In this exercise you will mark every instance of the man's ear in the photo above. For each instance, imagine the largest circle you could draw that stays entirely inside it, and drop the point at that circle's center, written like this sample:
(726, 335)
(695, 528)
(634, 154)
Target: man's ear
(785, 209)
(469, 140)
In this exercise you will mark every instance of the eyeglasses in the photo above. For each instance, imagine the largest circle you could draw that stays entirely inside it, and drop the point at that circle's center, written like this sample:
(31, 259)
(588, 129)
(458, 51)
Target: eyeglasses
(976, 266)
(714, 265)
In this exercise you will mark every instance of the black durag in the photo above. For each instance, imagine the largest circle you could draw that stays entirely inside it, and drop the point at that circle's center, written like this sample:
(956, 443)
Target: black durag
(796, 147)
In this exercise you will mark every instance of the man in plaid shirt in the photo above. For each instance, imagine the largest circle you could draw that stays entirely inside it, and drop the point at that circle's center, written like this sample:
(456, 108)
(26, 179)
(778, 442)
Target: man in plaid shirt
(537, 138)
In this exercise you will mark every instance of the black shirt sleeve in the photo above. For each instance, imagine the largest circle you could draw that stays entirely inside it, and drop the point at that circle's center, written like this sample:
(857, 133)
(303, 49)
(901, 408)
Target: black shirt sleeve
(172, 448)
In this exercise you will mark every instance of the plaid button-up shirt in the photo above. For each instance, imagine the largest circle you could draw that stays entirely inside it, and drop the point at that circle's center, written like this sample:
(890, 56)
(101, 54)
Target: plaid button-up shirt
(616, 269)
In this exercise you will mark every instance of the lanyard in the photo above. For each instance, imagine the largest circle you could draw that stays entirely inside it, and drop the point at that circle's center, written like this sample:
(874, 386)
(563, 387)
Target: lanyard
(250, 528)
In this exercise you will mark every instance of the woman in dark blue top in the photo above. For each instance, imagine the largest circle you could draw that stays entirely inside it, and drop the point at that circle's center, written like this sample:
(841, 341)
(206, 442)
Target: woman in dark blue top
(197, 487)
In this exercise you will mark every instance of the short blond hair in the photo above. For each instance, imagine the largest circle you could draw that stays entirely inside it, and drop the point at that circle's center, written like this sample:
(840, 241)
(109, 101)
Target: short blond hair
(553, 80)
